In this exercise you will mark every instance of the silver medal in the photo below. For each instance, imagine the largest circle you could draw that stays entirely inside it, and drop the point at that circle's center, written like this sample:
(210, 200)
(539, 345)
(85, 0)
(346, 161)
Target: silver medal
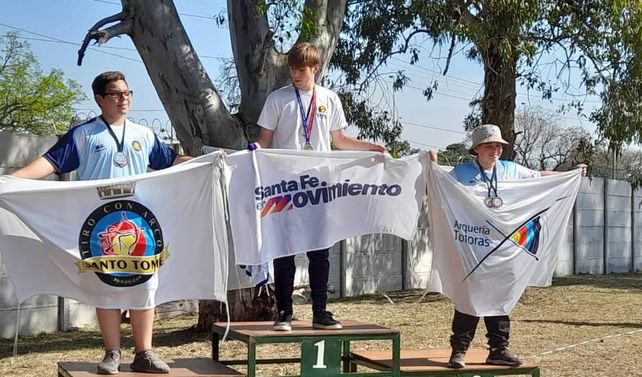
(488, 202)
(120, 159)
(497, 202)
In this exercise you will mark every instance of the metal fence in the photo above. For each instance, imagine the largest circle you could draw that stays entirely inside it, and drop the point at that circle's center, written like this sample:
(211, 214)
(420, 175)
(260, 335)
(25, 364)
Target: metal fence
(163, 129)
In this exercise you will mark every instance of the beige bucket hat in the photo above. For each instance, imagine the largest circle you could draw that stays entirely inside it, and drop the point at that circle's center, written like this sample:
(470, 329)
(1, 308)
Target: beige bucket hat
(487, 133)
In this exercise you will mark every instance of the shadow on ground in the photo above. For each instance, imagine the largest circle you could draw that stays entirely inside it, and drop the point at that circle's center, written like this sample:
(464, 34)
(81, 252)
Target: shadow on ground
(610, 281)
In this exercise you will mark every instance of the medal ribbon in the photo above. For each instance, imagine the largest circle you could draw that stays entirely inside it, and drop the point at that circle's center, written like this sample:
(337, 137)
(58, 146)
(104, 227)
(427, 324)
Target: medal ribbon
(490, 183)
(308, 119)
(120, 144)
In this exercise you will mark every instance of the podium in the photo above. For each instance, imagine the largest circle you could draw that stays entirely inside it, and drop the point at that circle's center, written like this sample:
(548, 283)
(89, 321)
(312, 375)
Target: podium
(434, 363)
(201, 367)
(323, 352)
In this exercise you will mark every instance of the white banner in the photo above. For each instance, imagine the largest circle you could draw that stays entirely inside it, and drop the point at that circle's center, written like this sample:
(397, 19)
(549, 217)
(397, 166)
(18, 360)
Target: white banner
(285, 202)
(484, 258)
(133, 242)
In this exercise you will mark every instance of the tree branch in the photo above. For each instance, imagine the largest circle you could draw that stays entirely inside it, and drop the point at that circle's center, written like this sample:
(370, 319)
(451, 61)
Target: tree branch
(102, 36)
(384, 59)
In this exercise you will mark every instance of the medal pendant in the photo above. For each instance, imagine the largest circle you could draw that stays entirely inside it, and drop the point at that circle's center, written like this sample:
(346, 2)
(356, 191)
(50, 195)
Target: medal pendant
(489, 202)
(120, 159)
(497, 202)
(307, 147)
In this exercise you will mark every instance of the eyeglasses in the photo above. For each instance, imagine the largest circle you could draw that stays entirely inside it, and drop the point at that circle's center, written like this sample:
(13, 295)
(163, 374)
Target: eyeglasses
(119, 95)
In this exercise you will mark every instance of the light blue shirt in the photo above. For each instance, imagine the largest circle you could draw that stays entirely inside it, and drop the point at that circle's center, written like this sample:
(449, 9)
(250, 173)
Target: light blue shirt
(89, 149)
(469, 174)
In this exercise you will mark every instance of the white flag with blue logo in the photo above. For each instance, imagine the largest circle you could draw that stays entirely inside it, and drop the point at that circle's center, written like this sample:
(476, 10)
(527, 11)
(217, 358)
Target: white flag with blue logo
(286, 202)
(131, 242)
(484, 258)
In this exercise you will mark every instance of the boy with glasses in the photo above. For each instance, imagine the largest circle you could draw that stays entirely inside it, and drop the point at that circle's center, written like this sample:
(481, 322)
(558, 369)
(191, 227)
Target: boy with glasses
(111, 146)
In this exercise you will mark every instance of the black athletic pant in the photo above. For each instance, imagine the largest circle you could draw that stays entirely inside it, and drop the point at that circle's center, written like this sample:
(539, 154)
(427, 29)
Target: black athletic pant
(318, 272)
(464, 327)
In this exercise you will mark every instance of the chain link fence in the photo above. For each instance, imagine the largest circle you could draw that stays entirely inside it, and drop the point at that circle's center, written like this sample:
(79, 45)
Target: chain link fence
(163, 129)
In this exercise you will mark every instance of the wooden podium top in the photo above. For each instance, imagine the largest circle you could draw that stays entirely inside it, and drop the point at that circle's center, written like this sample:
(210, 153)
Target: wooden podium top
(201, 367)
(435, 360)
(246, 330)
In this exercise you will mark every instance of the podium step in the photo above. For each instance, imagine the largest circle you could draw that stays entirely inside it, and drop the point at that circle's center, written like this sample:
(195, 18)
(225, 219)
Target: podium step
(244, 330)
(201, 367)
(324, 353)
(434, 362)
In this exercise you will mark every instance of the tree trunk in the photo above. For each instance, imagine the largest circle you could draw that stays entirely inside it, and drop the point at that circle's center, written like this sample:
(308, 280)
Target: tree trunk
(245, 305)
(260, 67)
(183, 86)
(498, 105)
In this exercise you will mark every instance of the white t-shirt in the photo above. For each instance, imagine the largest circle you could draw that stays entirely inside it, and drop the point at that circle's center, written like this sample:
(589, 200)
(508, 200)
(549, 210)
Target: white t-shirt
(282, 115)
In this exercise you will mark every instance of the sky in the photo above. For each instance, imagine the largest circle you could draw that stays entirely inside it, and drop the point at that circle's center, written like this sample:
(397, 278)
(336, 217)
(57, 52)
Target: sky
(55, 30)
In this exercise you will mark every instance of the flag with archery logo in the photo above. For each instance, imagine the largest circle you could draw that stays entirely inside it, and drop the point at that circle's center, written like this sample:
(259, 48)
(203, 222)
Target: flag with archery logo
(285, 202)
(484, 258)
(132, 242)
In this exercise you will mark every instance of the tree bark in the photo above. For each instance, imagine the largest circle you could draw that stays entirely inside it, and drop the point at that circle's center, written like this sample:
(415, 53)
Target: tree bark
(498, 104)
(183, 86)
(261, 68)
(245, 305)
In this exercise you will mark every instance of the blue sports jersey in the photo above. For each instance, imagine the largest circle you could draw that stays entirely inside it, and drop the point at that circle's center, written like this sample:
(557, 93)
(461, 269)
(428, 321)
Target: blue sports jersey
(468, 174)
(89, 148)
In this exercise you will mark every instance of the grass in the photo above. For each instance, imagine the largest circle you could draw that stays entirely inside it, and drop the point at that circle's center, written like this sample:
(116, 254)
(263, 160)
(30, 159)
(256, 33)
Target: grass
(582, 325)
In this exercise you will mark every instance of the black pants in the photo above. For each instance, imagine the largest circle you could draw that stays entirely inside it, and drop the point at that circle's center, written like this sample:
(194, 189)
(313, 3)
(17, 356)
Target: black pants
(318, 271)
(464, 327)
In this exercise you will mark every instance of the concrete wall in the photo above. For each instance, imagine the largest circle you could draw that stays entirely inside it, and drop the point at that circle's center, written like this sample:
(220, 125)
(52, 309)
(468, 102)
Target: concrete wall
(636, 226)
(589, 228)
(18, 150)
(618, 226)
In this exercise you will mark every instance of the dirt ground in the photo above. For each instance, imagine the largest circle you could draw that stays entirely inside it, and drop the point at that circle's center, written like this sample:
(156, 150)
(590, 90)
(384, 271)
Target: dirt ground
(582, 325)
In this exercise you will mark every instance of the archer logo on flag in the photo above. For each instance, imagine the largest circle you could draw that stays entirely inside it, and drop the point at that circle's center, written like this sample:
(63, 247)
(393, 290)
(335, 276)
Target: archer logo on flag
(122, 243)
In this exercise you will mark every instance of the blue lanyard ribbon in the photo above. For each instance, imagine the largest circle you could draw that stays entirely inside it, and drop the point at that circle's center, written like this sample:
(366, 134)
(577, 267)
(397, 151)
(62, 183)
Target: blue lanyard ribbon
(312, 109)
(490, 183)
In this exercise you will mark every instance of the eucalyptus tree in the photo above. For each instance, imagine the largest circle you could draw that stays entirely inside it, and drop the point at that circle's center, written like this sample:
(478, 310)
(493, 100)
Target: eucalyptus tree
(596, 40)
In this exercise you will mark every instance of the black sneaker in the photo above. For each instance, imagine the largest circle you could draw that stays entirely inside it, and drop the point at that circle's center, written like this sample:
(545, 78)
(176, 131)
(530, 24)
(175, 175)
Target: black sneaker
(110, 363)
(457, 359)
(283, 321)
(148, 362)
(502, 356)
(323, 320)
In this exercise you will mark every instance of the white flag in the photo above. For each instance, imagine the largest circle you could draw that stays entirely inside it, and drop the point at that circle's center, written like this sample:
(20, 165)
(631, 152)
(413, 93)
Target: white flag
(285, 202)
(484, 258)
(132, 242)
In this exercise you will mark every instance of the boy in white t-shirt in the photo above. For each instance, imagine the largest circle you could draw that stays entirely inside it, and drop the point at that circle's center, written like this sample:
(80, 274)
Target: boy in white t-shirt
(309, 117)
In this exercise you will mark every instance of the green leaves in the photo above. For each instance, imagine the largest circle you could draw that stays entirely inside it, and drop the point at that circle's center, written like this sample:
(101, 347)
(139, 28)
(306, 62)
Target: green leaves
(30, 100)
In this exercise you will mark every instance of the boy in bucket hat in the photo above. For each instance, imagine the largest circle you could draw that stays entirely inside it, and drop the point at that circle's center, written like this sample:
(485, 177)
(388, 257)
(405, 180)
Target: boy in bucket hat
(487, 169)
